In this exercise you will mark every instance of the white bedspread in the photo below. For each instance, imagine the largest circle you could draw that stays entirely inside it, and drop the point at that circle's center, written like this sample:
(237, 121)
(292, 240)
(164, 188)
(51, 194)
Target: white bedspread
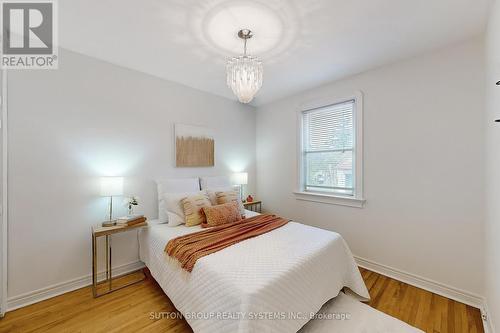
(270, 283)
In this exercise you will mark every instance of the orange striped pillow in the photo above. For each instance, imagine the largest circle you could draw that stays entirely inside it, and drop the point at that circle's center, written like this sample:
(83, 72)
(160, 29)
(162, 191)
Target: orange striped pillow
(221, 214)
(193, 206)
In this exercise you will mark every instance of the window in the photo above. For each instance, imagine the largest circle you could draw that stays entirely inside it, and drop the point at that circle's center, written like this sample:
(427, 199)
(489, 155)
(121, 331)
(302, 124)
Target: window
(331, 154)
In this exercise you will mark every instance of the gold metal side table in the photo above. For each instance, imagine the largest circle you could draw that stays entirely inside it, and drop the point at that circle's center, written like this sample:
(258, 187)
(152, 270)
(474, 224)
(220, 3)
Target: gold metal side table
(254, 206)
(107, 232)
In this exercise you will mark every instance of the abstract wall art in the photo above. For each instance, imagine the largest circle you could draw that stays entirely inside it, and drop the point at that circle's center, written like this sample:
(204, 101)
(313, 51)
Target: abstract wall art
(194, 146)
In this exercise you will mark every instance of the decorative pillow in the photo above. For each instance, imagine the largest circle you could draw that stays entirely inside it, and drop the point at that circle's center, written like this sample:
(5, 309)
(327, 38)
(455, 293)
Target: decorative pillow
(221, 214)
(230, 196)
(213, 190)
(193, 206)
(174, 208)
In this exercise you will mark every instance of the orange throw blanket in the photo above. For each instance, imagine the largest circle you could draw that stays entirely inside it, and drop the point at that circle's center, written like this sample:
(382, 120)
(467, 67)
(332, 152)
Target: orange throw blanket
(189, 248)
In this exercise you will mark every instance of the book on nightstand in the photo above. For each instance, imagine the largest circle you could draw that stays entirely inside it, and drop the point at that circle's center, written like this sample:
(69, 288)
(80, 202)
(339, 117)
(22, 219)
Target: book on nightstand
(130, 220)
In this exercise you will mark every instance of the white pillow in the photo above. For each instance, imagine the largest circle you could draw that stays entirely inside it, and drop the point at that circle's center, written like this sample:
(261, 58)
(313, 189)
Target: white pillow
(180, 185)
(174, 209)
(214, 182)
(154, 222)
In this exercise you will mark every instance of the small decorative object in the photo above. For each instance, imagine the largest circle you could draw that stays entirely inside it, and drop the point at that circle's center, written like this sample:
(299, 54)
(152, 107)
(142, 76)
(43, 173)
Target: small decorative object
(240, 178)
(110, 187)
(131, 202)
(249, 198)
(194, 146)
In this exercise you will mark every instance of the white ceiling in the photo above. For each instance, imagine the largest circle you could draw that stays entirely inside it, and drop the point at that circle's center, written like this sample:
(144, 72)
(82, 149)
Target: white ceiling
(304, 43)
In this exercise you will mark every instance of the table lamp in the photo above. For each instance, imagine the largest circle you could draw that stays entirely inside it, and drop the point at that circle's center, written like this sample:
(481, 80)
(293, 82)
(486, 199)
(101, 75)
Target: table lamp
(110, 187)
(240, 178)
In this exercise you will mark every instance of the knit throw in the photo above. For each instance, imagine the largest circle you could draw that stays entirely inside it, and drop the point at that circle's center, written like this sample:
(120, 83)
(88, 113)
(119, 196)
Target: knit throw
(189, 248)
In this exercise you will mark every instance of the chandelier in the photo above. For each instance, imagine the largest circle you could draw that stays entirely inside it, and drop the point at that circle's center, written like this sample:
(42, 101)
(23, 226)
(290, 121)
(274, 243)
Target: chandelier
(244, 73)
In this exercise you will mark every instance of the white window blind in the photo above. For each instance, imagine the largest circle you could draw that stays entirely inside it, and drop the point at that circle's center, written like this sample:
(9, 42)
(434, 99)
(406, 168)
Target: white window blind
(328, 150)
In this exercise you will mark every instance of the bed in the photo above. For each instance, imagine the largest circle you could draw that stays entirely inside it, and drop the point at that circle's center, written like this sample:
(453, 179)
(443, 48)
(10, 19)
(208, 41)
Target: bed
(274, 282)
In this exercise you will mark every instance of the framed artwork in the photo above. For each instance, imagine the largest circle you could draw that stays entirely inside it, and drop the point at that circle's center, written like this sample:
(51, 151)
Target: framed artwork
(194, 146)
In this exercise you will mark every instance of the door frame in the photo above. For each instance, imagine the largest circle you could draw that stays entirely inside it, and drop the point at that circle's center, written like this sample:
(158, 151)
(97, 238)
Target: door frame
(4, 206)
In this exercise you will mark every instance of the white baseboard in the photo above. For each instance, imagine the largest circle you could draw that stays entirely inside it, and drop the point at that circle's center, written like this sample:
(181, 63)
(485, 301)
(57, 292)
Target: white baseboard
(64, 287)
(488, 324)
(461, 296)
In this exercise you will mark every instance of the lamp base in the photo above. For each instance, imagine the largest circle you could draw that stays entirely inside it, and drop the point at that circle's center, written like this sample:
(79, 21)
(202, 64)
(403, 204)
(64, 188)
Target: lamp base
(109, 223)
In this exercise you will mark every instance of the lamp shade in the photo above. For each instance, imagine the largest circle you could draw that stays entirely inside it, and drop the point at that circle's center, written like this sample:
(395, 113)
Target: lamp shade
(240, 178)
(111, 186)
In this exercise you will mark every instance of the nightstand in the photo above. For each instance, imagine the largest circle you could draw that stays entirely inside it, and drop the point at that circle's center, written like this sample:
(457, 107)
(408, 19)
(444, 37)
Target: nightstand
(254, 206)
(107, 232)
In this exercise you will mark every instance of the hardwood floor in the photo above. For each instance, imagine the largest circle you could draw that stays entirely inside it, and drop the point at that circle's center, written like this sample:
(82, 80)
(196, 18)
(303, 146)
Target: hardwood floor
(423, 309)
(133, 309)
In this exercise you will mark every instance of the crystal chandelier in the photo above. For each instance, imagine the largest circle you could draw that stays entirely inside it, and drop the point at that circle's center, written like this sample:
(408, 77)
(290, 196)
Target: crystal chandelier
(244, 73)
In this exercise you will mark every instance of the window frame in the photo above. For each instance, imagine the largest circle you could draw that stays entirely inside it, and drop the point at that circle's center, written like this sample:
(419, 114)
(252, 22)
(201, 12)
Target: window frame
(355, 200)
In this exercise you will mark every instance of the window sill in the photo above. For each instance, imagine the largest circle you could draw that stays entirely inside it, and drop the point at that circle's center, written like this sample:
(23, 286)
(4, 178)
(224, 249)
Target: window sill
(330, 199)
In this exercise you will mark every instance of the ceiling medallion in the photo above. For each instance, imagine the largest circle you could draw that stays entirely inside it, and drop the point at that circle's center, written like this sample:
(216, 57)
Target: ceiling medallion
(244, 73)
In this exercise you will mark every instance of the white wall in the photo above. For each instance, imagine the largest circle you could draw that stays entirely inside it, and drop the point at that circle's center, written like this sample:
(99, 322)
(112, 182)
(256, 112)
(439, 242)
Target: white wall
(88, 119)
(492, 178)
(423, 139)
